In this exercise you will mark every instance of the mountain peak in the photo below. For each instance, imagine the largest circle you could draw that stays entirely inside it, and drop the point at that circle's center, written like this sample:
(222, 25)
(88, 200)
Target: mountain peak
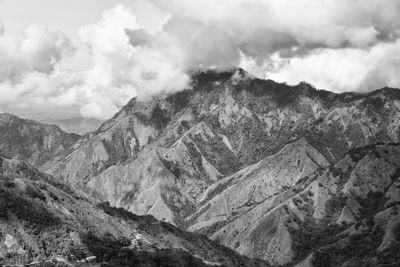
(213, 83)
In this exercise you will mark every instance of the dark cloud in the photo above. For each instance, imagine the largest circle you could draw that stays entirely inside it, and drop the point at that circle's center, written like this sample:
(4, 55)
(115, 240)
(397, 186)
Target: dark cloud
(139, 37)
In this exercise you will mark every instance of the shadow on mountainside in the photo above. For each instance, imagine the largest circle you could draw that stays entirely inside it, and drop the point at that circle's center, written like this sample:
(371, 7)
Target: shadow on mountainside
(24, 209)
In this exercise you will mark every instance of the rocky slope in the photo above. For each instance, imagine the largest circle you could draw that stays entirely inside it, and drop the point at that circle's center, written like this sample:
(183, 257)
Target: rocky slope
(32, 141)
(262, 167)
(350, 206)
(43, 220)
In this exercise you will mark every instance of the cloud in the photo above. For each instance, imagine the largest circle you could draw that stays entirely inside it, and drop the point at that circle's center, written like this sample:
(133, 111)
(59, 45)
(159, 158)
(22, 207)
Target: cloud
(362, 37)
(28, 62)
(121, 69)
(41, 91)
(43, 49)
(348, 69)
(252, 25)
(36, 50)
(339, 45)
(32, 78)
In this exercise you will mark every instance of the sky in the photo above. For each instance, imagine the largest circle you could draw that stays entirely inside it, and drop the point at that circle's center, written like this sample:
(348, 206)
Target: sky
(92, 56)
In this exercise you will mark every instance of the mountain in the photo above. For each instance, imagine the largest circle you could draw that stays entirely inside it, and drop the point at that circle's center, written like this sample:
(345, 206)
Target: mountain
(68, 121)
(46, 223)
(33, 141)
(289, 174)
(78, 125)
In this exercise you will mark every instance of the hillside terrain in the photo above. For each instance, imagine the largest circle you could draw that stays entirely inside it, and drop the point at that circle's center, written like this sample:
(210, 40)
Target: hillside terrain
(42, 220)
(291, 175)
(33, 141)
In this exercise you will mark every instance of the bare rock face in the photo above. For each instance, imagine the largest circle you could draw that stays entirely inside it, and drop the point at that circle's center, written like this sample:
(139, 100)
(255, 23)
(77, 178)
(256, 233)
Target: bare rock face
(46, 223)
(32, 141)
(286, 174)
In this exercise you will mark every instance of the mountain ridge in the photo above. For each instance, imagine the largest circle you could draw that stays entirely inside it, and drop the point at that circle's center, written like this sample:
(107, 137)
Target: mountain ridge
(33, 141)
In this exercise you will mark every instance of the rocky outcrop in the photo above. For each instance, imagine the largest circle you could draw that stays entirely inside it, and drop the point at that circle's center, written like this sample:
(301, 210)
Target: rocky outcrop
(248, 212)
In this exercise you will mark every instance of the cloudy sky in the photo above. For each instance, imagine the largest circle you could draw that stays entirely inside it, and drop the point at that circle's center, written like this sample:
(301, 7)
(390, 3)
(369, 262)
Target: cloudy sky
(92, 56)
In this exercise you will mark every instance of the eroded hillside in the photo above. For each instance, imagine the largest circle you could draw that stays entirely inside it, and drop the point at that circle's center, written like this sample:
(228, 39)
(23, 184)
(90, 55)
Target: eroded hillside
(42, 220)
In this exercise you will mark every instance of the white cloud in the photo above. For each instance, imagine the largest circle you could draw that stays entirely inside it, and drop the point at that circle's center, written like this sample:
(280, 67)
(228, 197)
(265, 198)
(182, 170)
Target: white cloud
(122, 70)
(43, 49)
(36, 50)
(119, 70)
(362, 37)
(27, 66)
(259, 23)
(339, 45)
(346, 69)
(37, 90)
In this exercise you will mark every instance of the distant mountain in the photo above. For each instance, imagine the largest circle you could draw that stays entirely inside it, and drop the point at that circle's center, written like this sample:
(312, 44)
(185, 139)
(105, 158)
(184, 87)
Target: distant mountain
(78, 125)
(33, 141)
(68, 122)
(47, 117)
(46, 223)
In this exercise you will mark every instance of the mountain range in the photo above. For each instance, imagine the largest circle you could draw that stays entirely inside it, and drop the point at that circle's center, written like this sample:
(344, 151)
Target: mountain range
(68, 121)
(284, 175)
